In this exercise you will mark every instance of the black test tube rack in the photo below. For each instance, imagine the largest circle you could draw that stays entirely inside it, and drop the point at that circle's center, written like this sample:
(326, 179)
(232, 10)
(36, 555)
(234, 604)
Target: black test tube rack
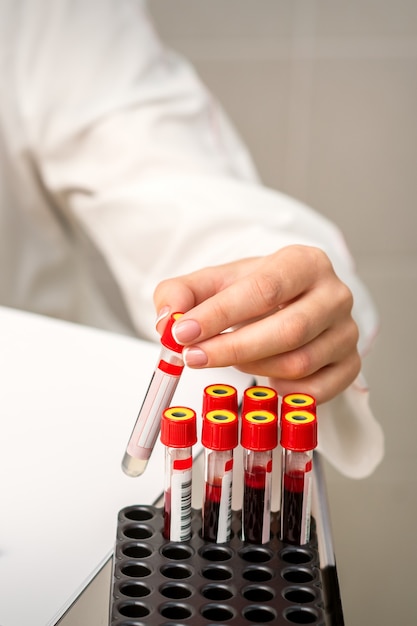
(164, 583)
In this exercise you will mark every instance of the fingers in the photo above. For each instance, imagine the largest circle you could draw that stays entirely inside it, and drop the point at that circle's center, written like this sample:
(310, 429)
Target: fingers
(283, 331)
(184, 293)
(236, 293)
(328, 349)
(272, 282)
(285, 316)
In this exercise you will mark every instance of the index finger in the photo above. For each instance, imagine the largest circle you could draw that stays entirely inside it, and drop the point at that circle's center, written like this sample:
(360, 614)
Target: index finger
(186, 292)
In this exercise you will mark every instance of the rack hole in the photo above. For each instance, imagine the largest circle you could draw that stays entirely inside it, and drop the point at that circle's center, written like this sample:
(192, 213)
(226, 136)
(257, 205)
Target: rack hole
(217, 573)
(175, 611)
(259, 614)
(299, 595)
(137, 551)
(296, 556)
(138, 532)
(217, 592)
(255, 555)
(176, 571)
(217, 612)
(298, 575)
(139, 514)
(257, 574)
(136, 571)
(175, 591)
(134, 610)
(300, 616)
(133, 590)
(177, 553)
(255, 593)
(213, 553)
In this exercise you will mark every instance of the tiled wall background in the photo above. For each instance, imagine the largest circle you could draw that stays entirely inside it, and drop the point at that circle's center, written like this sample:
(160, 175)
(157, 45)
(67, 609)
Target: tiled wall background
(325, 94)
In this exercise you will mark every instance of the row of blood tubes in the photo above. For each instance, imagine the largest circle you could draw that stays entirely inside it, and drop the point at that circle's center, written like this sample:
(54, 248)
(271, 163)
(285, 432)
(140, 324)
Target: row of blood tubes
(257, 432)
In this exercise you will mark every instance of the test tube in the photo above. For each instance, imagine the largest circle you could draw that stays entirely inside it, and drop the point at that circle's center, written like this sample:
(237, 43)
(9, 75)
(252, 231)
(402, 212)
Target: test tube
(178, 434)
(298, 440)
(220, 396)
(158, 397)
(259, 397)
(219, 438)
(259, 436)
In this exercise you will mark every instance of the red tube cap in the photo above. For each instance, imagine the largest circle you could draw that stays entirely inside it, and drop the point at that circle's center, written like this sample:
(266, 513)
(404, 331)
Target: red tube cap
(167, 338)
(299, 431)
(259, 430)
(179, 427)
(220, 430)
(220, 397)
(260, 398)
(294, 401)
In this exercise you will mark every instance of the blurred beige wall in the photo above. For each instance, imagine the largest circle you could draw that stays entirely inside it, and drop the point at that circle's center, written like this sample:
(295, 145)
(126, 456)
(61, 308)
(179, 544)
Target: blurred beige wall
(325, 94)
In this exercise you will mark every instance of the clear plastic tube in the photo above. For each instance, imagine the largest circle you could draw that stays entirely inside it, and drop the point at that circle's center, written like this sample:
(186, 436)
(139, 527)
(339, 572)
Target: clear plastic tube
(217, 495)
(219, 437)
(177, 494)
(158, 397)
(298, 440)
(178, 434)
(256, 511)
(296, 487)
(259, 437)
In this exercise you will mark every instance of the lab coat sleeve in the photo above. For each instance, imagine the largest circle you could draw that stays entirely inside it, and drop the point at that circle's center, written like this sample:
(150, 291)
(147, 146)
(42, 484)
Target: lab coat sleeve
(136, 152)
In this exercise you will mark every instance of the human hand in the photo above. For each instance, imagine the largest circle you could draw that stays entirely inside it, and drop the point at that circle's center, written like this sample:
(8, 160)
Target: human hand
(288, 314)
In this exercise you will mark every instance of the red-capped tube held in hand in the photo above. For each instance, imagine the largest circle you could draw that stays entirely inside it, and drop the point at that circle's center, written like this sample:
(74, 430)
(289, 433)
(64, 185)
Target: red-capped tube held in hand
(158, 398)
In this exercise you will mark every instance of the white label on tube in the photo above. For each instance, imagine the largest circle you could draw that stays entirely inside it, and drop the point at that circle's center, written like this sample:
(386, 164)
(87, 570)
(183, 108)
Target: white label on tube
(225, 508)
(306, 515)
(157, 399)
(266, 523)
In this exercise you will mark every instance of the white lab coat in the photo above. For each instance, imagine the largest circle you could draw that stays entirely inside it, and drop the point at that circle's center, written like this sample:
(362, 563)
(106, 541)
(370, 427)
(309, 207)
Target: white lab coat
(119, 169)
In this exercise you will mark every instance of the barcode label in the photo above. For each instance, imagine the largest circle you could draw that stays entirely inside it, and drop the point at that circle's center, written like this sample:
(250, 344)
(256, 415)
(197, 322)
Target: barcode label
(180, 529)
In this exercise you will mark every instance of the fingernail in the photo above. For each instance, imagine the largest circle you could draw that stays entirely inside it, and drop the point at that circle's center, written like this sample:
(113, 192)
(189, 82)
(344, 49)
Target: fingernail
(186, 331)
(163, 313)
(195, 357)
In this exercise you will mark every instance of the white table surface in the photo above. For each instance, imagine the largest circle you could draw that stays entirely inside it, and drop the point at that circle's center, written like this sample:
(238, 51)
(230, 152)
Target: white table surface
(69, 396)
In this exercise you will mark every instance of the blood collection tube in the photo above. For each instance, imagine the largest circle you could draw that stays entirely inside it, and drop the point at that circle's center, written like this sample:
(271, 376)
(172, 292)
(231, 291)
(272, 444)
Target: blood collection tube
(294, 401)
(298, 440)
(223, 397)
(259, 436)
(258, 397)
(158, 398)
(219, 438)
(178, 434)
